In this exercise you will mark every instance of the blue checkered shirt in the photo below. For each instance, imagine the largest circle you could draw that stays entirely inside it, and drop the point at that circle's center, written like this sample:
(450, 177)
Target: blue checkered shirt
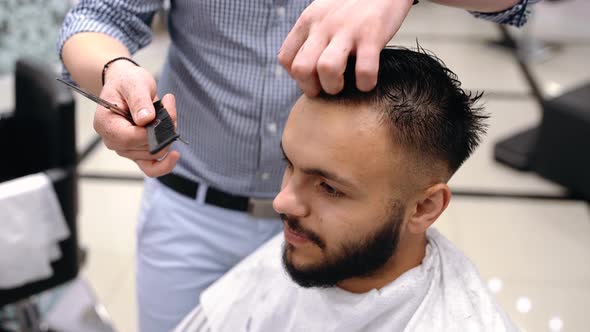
(232, 95)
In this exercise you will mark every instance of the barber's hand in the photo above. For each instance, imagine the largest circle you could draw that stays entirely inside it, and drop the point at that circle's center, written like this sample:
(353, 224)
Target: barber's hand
(316, 50)
(133, 88)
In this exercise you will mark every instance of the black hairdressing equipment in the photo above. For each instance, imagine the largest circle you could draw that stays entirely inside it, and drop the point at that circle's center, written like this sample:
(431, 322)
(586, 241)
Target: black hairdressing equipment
(559, 148)
(40, 136)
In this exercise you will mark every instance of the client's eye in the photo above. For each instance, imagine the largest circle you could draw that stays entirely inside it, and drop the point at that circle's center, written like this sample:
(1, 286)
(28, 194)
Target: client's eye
(329, 190)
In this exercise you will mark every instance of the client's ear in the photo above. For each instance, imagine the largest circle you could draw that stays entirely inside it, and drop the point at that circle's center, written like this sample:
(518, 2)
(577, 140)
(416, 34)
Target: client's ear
(428, 207)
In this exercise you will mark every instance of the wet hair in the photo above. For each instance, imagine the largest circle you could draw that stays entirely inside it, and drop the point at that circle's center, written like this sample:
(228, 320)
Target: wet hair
(423, 103)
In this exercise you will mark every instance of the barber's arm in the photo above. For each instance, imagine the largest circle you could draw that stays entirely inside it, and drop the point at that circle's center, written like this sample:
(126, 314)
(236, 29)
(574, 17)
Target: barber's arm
(317, 48)
(96, 32)
(84, 55)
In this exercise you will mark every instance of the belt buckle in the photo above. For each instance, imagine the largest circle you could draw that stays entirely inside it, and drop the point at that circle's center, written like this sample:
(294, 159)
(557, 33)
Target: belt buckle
(261, 208)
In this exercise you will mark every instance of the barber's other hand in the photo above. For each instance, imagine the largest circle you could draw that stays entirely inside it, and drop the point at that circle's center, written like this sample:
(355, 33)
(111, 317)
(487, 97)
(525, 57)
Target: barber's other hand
(316, 50)
(133, 88)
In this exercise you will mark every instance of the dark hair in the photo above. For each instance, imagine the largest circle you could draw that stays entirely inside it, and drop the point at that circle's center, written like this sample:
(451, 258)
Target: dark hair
(423, 102)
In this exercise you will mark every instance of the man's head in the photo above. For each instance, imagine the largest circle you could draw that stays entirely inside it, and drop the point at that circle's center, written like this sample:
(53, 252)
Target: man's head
(367, 172)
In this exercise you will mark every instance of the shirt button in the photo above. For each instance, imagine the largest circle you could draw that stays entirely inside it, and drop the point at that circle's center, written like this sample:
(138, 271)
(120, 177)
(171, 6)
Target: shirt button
(281, 12)
(278, 71)
(272, 128)
(265, 176)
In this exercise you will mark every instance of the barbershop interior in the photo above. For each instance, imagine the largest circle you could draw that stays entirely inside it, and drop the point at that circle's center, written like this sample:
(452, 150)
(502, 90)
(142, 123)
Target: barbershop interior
(70, 206)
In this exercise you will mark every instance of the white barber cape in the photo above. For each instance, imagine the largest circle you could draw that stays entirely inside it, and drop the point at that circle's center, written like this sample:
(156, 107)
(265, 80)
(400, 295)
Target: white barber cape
(444, 293)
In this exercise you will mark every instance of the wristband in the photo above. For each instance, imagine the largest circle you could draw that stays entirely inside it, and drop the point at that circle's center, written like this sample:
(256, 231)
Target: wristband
(106, 65)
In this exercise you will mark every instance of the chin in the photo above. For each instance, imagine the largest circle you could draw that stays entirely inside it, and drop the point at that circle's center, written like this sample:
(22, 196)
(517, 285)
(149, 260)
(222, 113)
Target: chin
(299, 258)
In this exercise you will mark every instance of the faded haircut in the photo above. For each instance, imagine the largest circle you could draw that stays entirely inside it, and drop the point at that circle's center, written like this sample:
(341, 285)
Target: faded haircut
(423, 103)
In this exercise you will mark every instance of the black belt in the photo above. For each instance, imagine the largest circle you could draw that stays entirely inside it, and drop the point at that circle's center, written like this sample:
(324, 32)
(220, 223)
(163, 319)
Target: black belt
(260, 208)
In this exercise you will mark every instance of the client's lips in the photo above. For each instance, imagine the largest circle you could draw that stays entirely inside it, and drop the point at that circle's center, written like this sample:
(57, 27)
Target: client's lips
(293, 237)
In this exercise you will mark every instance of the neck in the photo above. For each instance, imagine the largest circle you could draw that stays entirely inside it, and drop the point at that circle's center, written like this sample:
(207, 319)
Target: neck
(409, 254)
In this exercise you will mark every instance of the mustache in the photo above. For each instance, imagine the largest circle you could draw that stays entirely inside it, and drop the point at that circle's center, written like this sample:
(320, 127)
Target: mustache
(295, 225)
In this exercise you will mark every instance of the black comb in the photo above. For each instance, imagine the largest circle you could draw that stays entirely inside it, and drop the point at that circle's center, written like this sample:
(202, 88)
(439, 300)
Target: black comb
(160, 132)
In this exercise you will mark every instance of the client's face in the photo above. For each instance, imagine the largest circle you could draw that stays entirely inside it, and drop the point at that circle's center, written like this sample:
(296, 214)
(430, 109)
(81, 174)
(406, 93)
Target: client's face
(340, 198)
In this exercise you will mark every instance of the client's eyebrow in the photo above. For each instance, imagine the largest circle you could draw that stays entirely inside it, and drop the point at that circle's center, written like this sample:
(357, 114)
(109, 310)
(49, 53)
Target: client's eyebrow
(322, 173)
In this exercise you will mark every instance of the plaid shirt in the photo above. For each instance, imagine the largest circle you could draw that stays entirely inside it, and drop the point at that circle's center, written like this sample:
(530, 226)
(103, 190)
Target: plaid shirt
(516, 15)
(232, 95)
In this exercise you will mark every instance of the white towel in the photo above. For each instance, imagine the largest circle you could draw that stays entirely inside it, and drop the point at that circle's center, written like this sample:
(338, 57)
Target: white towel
(32, 224)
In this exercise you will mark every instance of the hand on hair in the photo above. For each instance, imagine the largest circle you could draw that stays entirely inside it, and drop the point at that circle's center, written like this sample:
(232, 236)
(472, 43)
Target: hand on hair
(316, 50)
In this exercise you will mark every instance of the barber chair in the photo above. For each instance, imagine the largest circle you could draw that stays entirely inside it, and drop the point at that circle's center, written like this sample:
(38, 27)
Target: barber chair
(39, 136)
(559, 148)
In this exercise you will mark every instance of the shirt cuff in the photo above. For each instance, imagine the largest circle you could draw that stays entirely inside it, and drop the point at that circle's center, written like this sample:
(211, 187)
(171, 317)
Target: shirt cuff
(516, 15)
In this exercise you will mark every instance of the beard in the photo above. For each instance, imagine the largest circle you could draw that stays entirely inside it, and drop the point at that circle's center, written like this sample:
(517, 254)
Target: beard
(353, 259)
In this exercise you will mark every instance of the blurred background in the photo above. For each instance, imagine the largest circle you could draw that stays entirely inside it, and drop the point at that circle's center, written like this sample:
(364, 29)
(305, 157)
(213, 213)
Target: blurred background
(520, 207)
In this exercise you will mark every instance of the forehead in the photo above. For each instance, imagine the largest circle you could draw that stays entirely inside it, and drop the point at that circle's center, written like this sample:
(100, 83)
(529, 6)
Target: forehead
(330, 122)
(349, 140)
